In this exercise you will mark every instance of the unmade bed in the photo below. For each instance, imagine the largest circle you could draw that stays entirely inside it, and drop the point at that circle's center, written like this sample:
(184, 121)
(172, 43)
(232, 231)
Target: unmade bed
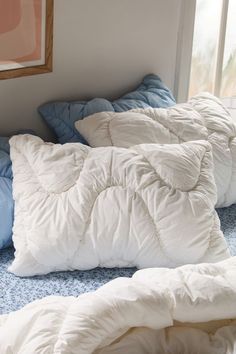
(16, 292)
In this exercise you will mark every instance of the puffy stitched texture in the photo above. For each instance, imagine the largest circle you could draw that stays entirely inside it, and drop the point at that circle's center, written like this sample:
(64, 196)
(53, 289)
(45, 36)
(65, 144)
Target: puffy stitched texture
(61, 116)
(79, 208)
(191, 309)
(204, 117)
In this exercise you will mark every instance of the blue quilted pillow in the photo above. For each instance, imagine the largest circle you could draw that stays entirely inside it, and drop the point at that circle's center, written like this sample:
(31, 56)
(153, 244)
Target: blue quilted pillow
(61, 116)
(6, 201)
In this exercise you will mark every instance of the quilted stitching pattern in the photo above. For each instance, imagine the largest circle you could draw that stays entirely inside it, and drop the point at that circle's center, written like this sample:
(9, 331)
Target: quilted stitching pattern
(79, 208)
(203, 118)
(159, 311)
(61, 116)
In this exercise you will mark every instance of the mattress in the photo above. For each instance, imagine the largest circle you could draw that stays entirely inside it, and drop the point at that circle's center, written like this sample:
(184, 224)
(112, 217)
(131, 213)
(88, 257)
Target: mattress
(17, 292)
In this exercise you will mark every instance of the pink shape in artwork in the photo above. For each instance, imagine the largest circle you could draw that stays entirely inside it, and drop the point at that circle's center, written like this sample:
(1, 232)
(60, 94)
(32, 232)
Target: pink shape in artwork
(20, 30)
(10, 14)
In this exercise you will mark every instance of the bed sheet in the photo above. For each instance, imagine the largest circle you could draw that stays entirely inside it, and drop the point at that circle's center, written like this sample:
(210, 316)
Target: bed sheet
(17, 292)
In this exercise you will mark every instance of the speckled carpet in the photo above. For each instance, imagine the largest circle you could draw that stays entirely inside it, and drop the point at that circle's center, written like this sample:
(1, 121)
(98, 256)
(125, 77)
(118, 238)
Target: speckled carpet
(17, 292)
(228, 225)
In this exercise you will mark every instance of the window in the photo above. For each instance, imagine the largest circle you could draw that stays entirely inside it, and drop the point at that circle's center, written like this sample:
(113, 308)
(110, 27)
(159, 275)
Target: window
(213, 66)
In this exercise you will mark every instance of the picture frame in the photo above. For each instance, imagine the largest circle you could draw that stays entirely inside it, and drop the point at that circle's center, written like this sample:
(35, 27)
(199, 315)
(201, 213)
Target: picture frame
(26, 37)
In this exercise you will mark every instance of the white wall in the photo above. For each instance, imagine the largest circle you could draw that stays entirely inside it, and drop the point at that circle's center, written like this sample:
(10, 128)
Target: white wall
(101, 48)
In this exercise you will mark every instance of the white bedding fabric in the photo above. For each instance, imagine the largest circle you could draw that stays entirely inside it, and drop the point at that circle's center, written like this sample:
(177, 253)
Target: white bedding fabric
(191, 309)
(80, 208)
(203, 118)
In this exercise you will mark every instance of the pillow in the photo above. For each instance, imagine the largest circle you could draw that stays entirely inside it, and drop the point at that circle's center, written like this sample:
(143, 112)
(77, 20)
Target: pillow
(61, 116)
(80, 208)
(6, 201)
(204, 117)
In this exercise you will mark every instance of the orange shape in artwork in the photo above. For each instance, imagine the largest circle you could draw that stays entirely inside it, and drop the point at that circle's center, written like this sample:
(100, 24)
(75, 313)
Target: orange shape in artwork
(20, 30)
(10, 15)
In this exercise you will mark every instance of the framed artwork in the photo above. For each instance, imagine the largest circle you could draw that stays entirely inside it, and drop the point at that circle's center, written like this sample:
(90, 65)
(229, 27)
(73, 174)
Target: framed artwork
(26, 37)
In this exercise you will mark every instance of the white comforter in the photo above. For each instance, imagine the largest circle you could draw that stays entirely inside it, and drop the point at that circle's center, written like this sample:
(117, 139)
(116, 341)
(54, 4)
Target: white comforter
(80, 208)
(158, 311)
(202, 118)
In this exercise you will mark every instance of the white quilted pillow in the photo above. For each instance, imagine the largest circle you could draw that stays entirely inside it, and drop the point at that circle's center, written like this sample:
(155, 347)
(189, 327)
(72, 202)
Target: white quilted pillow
(202, 118)
(80, 208)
